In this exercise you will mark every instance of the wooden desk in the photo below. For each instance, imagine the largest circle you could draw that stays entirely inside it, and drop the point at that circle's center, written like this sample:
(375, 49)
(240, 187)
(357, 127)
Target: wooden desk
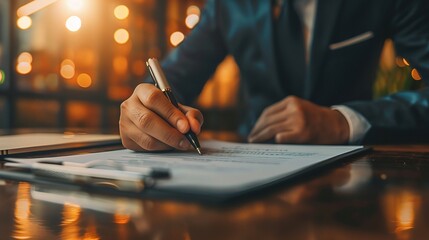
(379, 195)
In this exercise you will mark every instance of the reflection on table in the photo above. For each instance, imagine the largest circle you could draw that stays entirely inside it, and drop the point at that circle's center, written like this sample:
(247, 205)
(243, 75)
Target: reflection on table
(380, 195)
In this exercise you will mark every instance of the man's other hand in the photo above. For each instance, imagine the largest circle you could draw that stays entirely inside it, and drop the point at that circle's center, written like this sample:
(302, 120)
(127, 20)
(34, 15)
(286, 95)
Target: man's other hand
(295, 120)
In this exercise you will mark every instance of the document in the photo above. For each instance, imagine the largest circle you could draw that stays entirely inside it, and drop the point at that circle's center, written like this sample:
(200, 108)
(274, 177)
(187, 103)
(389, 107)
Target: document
(224, 167)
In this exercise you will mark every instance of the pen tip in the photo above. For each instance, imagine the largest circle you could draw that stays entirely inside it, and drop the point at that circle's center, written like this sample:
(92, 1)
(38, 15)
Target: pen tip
(199, 151)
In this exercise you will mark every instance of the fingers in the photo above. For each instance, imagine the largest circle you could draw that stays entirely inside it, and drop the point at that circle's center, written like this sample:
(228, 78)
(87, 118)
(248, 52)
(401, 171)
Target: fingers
(281, 122)
(271, 120)
(149, 121)
(267, 120)
(151, 124)
(154, 100)
(195, 118)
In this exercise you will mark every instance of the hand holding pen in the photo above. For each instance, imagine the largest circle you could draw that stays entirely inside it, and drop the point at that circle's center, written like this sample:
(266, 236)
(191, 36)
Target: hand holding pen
(149, 121)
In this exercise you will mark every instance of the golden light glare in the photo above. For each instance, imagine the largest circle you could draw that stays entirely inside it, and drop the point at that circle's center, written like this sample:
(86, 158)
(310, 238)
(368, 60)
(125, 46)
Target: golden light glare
(24, 22)
(23, 68)
(75, 5)
(193, 10)
(405, 62)
(73, 24)
(84, 80)
(2, 77)
(121, 12)
(176, 38)
(33, 6)
(192, 20)
(25, 57)
(67, 71)
(121, 36)
(415, 74)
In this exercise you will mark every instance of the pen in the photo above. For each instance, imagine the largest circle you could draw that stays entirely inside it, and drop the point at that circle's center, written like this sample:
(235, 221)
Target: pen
(161, 82)
(153, 172)
(121, 180)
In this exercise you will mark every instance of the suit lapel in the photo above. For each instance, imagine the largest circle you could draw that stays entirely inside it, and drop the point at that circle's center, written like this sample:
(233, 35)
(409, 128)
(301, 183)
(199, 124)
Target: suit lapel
(325, 22)
(262, 10)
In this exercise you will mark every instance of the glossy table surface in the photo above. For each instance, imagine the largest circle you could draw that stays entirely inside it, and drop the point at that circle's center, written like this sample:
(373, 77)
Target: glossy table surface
(382, 194)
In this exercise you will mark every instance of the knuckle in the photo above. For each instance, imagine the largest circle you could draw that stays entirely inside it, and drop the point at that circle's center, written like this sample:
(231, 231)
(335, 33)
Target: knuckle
(139, 88)
(172, 114)
(152, 98)
(146, 119)
(124, 106)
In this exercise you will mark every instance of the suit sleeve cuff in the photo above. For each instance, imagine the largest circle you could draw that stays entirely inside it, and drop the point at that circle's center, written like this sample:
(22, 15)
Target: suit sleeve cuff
(358, 125)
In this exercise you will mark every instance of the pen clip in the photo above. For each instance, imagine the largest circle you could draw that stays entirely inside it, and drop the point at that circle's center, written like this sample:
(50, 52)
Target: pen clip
(152, 74)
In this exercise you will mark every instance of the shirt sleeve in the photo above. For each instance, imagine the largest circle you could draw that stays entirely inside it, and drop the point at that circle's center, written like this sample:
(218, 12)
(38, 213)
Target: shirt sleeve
(358, 125)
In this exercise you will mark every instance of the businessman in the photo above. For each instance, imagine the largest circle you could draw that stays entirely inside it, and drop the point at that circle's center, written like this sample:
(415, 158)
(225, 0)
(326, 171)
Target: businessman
(307, 70)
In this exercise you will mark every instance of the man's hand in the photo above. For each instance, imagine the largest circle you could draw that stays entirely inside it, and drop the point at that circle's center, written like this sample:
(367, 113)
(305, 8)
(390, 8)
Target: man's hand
(150, 122)
(295, 120)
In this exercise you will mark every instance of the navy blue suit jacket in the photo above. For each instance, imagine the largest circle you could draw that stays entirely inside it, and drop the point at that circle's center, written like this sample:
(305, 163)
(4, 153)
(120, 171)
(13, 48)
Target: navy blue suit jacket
(244, 29)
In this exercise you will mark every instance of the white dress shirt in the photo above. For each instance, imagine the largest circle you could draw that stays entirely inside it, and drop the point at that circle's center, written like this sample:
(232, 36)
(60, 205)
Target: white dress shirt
(358, 125)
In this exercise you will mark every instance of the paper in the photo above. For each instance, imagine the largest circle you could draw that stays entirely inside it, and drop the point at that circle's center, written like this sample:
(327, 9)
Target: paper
(224, 167)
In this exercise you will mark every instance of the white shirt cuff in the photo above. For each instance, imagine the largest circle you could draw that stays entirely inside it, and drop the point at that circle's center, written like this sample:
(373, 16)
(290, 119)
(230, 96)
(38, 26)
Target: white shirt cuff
(358, 125)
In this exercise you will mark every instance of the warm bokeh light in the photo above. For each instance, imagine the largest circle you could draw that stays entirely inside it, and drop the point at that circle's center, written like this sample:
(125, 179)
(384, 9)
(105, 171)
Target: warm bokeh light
(67, 62)
(121, 36)
(33, 7)
(120, 65)
(84, 80)
(75, 5)
(71, 213)
(67, 70)
(121, 12)
(405, 62)
(121, 218)
(23, 68)
(2, 77)
(22, 212)
(416, 75)
(73, 24)
(176, 38)
(24, 22)
(221, 90)
(401, 210)
(25, 57)
(193, 10)
(192, 20)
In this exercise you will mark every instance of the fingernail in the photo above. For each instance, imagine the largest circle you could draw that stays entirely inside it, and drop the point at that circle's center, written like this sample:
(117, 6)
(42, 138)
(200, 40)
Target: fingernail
(181, 125)
(184, 144)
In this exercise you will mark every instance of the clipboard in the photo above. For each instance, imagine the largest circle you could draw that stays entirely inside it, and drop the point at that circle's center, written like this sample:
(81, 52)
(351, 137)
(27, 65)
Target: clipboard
(225, 171)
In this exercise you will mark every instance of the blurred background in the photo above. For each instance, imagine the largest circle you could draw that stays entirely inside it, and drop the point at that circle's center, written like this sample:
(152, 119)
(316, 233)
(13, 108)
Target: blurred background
(68, 64)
